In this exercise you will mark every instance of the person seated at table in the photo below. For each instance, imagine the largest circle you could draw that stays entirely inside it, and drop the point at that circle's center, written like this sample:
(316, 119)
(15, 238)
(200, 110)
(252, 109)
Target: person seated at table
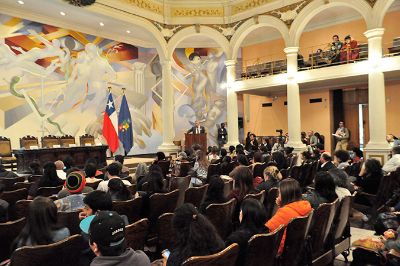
(125, 169)
(113, 170)
(60, 169)
(71, 197)
(350, 50)
(48, 179)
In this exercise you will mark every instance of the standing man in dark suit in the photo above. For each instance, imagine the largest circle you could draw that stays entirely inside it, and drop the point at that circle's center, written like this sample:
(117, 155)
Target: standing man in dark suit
(222, 135)
(197, 129)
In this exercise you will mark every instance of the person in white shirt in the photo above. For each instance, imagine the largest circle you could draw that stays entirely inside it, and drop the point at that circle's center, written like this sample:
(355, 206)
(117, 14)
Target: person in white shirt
(394, 162)
(60, 169)
(113, 171)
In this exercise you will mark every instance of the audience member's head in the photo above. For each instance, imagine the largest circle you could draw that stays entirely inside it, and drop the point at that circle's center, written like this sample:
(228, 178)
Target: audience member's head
(341, 156)
(289, 191)
(335, 38)
(257, 157)
(214, 150)
(118, 191)
(96, 201)
(196, 147)
(223, 152)
(306, 155)
(325, 157)
(373, 167)
(215, 189)
(90, 170)
(160, 156)
(36, 168)
(325, 186)
(195, 234)
(279, 158)
(252, 216)
(244, 181)
(107, 234)
(340, 177)
(68, 162)
(49, 171)
(272, 173)
(231, 149)
(182, 156)
(119, 158)
(396, 150)
(59, 165)
(209, 149)
(239, 148)
(114, 169)
(242, 160)
(141, 170)
(358, 154)
(75, 182)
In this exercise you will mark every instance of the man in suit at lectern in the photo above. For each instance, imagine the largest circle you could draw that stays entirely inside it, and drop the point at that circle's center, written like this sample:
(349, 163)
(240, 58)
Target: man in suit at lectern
(197, 129)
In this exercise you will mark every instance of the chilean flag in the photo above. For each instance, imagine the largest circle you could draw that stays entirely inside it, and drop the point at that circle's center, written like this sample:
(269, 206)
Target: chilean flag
(110, 125)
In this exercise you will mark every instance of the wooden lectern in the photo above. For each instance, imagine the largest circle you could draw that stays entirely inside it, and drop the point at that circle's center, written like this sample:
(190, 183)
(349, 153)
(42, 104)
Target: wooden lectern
(200, 139)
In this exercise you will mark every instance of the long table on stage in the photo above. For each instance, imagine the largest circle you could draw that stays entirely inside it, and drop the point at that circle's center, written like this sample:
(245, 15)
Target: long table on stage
(79, 154)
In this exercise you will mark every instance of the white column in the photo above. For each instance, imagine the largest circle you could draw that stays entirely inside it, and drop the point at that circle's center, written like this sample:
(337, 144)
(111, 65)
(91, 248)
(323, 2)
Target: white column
(377, 146)
(231, 107)
(138, 80)
(167, 109)
(293, 101)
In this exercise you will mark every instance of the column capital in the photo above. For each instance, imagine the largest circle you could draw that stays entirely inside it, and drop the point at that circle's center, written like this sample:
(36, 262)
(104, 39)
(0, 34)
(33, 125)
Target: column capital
(230, 62)
(374, 33)
(291, 50)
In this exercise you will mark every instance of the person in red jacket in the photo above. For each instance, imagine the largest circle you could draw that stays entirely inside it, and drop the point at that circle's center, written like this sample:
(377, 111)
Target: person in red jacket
(290, 205)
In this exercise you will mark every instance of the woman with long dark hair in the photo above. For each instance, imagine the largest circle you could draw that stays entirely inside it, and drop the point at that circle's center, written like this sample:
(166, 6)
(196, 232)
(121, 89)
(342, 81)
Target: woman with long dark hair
(48, 179)
(252, 219)
(370, 178)
(215, 192)
(324, 192)
(41, 225)
(195, 235)
(118, 191)
(243, 183)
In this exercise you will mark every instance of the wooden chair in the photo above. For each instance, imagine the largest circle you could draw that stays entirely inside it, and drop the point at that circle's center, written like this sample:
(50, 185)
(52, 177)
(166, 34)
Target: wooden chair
(341, 232)
(27, 142)
(70, 220)
(19, 185)
(13, 196)
(6, 157)
(296, 233)
(66, 140)
(220, 215)
(258, 196)
(180, 183)
(48, 191)
(321, 225)
(226, 257)
(162, 203)
(263, 248)
(63, 253)
(131, 208)
(136, 234)
(86, 140)
(228, 187)
(49, 141)
(8, 232)
(34, 178)
(9, 182)
(269, 202)
(165, 232)
(21, 209)
(195, 195)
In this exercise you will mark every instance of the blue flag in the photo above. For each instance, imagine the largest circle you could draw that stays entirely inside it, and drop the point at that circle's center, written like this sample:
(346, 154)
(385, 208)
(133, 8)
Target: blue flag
(125, 132)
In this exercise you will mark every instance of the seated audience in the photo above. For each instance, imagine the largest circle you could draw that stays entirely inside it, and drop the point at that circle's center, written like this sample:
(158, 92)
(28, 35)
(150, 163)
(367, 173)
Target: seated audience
(223, 153)
(252, 219)
(350, 50)
(200, 169)
(155, 184)
(321, 141)
(160, 156)
(113, 170)
(95, 201)
(243, 162)
(306, 157)
(195, 235)
(265, 145)
(215, 193)
(91, 173)
(290, 205)
(118, 191)
(71, 197)
(342, 183)
(60, 169)
(213, 155)
(48, 179)
(257, 159)
(176, 164)
(272, 176)
(68, 162)
(141, 172)
(4, 173)
(324, 191)
(393, 163)
(232, 152)
(279, 158)
(35, 168)
(41, 226)
(325, 162)
(107, 241)
(120, 159)
(392, 140)
(226, 166)
(252, 145)
(369, 180)
(152, 168)
(3, 206)
(341, 159)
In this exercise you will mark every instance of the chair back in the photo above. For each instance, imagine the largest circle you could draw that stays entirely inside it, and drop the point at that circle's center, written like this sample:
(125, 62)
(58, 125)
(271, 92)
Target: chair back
(228, 187)
(49, 141)
(269, 202)
(27, 141)
(226, 257)
(63, 253)
(70, 220)
(220, 215)
(321, 226)
(21, 208)
(9, 182)
(164, 166)
(165, 232)
(342, 217)
(8, 232)
(296, 232)
(48, 191)
(34, 178)
(5, 147)
(19, 185)
(86, 139)
(258, 170)
(66, 140)
(180, 183)
(258, 196)
(136, 234)
(162, 203)
(262, 249)
(195, 195)
(131, 208)
(13, 196)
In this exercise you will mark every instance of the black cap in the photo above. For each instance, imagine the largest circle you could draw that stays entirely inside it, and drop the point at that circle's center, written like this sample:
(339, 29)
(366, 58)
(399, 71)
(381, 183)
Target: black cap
(107, 229)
